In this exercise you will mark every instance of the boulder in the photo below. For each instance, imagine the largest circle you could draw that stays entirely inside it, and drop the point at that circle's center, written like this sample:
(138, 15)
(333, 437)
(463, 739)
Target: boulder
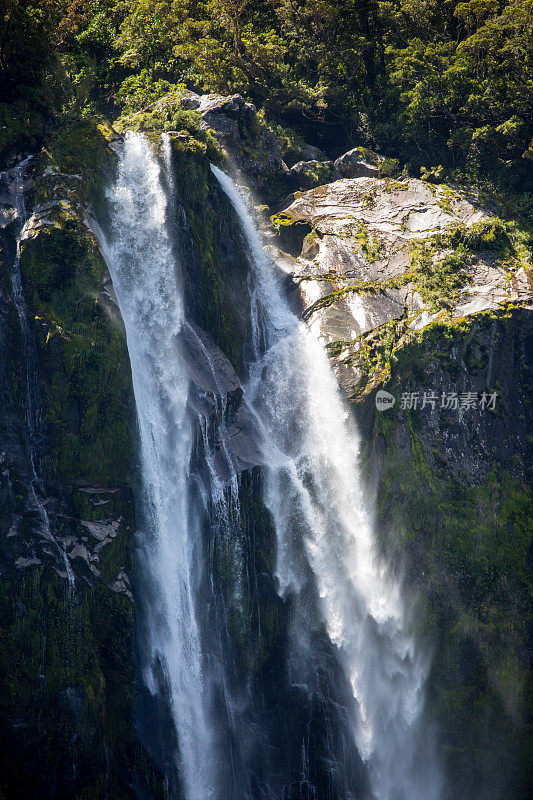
(358, 163)
(313, 153)
(309, 174)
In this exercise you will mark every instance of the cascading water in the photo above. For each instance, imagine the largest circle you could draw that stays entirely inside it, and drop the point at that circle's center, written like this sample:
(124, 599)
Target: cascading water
(327, 566)
(314, 492)
(147, 281)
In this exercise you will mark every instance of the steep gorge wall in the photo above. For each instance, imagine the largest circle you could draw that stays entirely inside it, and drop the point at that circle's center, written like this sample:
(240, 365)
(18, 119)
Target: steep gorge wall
(452, 500)
(451, 481)
(67, 672)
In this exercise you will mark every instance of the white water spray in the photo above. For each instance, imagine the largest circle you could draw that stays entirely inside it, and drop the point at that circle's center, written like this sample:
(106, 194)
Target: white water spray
(314, 491)
(147, 281)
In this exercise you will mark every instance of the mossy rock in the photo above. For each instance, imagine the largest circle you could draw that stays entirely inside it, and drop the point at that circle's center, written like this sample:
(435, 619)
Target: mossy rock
(213, 257)
(66, 691)
(465, 540)
(291, 233)
(79, 148)
(84, 358)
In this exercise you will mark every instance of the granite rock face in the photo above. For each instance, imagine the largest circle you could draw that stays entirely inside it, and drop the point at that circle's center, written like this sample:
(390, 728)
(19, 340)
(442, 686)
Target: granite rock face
(357, 270)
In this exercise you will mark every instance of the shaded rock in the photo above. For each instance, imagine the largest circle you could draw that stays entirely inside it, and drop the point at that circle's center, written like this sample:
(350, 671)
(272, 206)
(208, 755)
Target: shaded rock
(215, 386)
(103, 529)
(23, 563)
(248, 141)
(313, 153)
(308, 174)
(8, 215)
(121, 585)
(357, 163)
(190, 101)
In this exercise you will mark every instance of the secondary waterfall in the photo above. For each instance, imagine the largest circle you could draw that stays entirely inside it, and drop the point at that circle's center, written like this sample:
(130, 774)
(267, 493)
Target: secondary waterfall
(313, 490)
(147, 280)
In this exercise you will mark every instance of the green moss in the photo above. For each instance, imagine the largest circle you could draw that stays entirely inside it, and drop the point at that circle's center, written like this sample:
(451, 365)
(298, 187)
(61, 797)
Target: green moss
(438, 280)
(293, 146)
(445, 198)
(466, 546)
(183, 125)
(361, 287)
(396, 186)
(215, 284)
(470, 544)
(368, 244)
(80, 147)
(318, 173)
(389, 167)
(85, 362)
(492, 234)
(67, 686)
(291, 233)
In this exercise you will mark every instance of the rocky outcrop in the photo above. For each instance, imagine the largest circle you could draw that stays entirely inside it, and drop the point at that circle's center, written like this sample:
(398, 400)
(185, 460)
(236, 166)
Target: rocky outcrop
(309, 174)
(358, 163)
(66, 503)
(383, 251)
(252, 147)
(215, 382)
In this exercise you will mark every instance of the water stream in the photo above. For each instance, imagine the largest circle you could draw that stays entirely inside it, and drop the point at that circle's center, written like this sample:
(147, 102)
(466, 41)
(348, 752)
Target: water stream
(328, 568)
(313, 489)
(147, 280)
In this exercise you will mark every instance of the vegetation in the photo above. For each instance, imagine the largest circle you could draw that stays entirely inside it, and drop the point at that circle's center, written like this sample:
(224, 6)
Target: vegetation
(445, 85)
(84, 357)
(466, 534)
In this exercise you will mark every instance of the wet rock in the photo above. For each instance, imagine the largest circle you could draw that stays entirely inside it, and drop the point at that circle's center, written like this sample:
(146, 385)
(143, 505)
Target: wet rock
(103, 530)
(216, 389)
(8, 215)
(121, 585)
(313, 153)
(23, 563)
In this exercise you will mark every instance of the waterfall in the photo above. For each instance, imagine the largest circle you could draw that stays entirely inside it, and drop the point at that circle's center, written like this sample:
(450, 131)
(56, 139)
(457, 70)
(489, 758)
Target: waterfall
(327, 560)
(328, 568)
(147, 279)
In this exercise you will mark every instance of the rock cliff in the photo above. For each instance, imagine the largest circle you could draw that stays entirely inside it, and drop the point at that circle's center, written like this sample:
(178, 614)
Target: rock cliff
(418, 290)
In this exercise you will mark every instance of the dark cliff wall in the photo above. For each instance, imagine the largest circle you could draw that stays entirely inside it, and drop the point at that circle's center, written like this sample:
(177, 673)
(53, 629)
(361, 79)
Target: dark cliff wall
(67, 678)
(453, 504)
(451, 493)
